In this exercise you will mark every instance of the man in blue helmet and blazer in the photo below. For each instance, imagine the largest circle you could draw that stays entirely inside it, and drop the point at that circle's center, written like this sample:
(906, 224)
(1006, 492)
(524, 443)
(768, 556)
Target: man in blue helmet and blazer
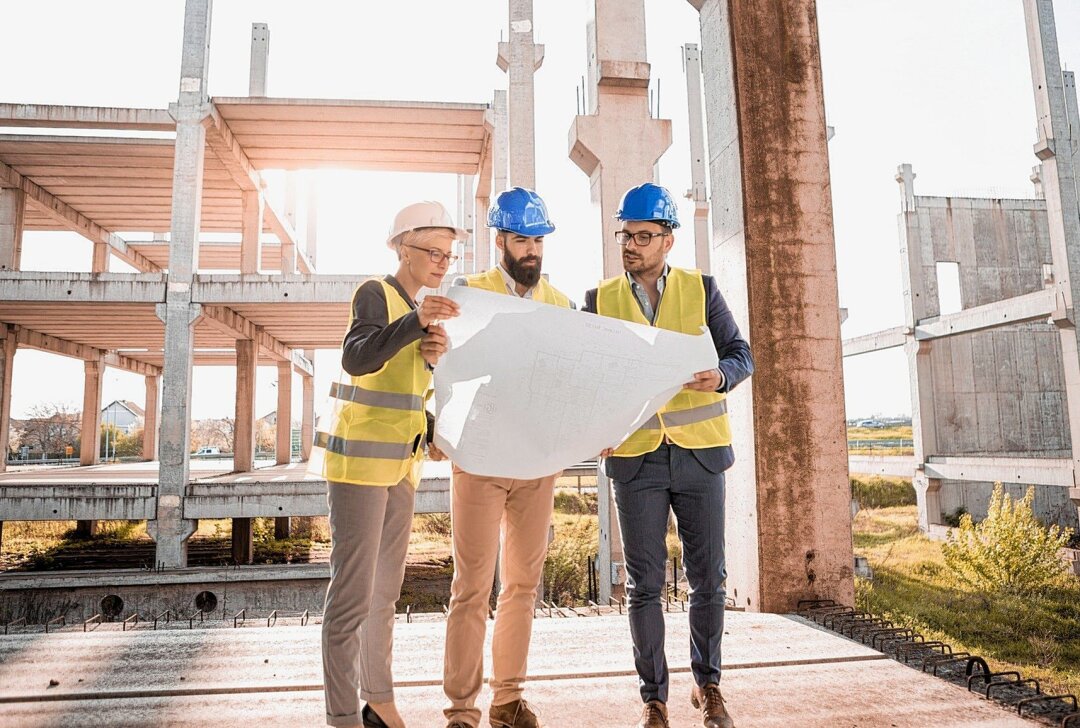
(676, 461)
(481, 507)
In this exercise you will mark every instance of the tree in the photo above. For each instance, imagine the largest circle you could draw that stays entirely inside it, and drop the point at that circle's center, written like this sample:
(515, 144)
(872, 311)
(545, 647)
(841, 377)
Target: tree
(50, 428)
(213, 433)
(120, 444)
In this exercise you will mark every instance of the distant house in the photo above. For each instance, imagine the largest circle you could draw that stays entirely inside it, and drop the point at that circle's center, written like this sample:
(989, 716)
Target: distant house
(125, 415)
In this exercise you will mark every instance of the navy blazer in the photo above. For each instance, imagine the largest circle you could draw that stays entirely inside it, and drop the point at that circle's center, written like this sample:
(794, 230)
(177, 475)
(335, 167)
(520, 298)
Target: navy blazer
(735, 361)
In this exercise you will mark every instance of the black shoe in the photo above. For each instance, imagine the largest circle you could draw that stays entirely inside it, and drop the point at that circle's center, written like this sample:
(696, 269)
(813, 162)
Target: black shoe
(371, 718)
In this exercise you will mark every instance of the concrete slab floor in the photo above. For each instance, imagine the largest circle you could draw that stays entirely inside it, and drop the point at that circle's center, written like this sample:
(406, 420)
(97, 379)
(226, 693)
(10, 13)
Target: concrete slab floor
(777, 669)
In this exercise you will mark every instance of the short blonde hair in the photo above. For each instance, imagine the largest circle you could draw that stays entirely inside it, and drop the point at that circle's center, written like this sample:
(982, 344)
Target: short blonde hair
(420, 237)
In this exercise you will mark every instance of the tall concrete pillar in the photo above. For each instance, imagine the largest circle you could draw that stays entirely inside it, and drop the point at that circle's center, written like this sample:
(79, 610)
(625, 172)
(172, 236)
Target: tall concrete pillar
(287, 250)
(150, 419)
(252, 207)
(12, 209)
(520, 58)
(170, 529)
(788, 507)
(698, 192)
(90, 432)
(283, 444)
(244, 439)
(99, 261)
(919, 274)
(10, 344)
(466, 201)
(619, 143)
(307, 418)
(260, 59)
(312, 235)
(1054, 148)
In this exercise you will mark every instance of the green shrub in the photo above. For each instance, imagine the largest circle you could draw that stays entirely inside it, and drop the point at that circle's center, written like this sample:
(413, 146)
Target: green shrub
(566, 569)
(1009, 551)
(953, 519)
(437, 524)
(878, 492)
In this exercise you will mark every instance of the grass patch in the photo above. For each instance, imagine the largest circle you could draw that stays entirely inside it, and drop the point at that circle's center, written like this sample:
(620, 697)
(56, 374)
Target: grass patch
(882, 492)
(1037, 635)
(887, 433)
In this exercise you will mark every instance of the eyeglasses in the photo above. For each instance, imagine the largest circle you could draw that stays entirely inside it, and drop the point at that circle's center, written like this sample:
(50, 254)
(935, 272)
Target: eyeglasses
(436, 255)
(641, 239)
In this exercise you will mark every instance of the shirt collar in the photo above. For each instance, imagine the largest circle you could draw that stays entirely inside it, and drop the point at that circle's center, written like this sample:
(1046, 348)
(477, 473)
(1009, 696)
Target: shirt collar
(660, 282)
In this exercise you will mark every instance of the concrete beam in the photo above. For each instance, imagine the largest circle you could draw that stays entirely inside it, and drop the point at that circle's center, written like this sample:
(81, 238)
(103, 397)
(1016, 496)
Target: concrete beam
(897, 466)
(1029, 307)
(1028, 471)
(773, 229)
(9, 344)
(84, 287)
(72, 219)
(85, 117)
(44, 342)
(877, 341)
(90, 433)
(228, 321)
(234, 289)
(84, 501)
(12, 207)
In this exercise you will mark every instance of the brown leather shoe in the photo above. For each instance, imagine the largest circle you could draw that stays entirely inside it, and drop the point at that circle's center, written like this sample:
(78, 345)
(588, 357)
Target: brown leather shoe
(711, 704)
(654, 715)
(517, 714)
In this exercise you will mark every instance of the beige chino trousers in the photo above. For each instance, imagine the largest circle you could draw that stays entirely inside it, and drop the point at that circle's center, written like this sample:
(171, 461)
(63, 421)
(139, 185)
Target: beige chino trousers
(483, 509)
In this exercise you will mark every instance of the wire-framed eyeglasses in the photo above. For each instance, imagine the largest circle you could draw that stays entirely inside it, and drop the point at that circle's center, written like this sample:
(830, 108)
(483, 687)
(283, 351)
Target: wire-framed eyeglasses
(642, 238)
(436, 255)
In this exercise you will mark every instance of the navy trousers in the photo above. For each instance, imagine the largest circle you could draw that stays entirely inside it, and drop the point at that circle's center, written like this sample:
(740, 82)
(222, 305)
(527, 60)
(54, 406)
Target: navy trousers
(671, 478)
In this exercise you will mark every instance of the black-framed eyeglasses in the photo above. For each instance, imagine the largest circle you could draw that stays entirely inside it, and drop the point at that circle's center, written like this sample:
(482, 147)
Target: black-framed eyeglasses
(435, 254)
(642, 238)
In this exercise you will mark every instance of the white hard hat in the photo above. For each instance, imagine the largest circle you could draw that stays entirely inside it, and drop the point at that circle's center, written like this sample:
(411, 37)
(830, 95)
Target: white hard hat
(427, 214)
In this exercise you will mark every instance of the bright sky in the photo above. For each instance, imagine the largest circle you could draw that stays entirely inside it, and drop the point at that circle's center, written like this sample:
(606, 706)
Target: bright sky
(943, 86)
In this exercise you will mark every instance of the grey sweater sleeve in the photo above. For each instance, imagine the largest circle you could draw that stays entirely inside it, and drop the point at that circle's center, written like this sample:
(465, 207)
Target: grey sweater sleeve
(373, 340)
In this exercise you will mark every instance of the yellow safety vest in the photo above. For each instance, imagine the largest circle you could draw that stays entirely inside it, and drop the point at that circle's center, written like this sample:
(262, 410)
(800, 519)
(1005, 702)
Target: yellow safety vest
(379, 417)
(493, 280)
(690, 419)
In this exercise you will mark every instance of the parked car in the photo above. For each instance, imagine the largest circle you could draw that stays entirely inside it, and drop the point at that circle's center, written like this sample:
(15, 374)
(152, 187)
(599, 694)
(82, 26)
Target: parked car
(208, 451)
(872, 424)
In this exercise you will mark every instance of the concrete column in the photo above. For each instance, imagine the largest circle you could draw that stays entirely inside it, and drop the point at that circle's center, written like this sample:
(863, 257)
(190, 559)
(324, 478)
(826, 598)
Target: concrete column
(12, 209)
(1054, 149)
(170, 529)
(788, 510)
(307, 419)
(150, 419)
(312, 235)
(244, 439)
(10, 344)
(288, 248)
(520, 58)
(481, 234)
(260, 59)
(698, 192)
(919, 275)
(283, 446)
(99, 263)
(465, 208)
(90, 433)
(618, 145)
(251, 231)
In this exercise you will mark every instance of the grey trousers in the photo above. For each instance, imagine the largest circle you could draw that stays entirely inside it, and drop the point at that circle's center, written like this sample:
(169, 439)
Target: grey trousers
(369, 532)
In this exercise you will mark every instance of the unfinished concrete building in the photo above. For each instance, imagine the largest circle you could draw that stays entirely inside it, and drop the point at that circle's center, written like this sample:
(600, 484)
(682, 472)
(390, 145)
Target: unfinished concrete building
(176, 312)
(994, 386)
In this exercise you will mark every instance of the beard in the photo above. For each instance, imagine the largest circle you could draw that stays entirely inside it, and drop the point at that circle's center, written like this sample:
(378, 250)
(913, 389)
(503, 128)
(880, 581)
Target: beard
(527, 276)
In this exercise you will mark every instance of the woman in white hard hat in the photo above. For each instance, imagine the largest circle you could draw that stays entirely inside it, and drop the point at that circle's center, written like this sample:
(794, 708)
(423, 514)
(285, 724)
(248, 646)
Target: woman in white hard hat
(374, 449)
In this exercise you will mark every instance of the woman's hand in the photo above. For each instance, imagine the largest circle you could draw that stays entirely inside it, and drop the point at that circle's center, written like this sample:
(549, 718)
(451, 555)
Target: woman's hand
(434, 453)
(436, 308)
(434, 344)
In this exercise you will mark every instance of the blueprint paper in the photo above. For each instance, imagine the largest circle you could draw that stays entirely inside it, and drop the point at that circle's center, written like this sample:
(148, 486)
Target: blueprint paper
(528, 389)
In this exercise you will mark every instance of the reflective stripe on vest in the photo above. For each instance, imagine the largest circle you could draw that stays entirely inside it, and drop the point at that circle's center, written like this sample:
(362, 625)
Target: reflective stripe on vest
(377, 428)
(492, 280)
(690, 419)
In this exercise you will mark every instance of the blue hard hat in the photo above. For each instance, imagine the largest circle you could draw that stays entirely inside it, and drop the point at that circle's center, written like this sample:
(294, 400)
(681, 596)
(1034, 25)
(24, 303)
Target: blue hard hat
(520, 211)
(649, 203)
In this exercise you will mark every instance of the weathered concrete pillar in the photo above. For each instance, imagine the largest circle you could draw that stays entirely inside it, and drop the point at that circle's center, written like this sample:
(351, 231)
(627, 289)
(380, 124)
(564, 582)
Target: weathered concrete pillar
(150, 419)
(465, 209)
(260, 59)
(788, 538)
(283, 445)
(311, 237)
(244, 439)
(10, 343)
(90, 432)
(251, 231)
(520, 58)
(99, 262)
(618, 144)
(698, 192)
(170, 529)
(919, 275)
(287, 250)
(307, 418)
(12, 209)
(1054, 148)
